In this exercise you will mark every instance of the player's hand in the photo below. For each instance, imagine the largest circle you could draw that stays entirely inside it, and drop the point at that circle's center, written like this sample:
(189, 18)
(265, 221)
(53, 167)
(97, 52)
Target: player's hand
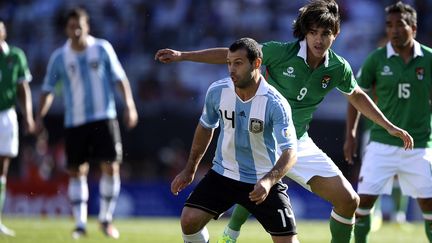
(350, 149)
(181, 181)
(168, 55)
(130, 117)
(260, 191)
(402, 134)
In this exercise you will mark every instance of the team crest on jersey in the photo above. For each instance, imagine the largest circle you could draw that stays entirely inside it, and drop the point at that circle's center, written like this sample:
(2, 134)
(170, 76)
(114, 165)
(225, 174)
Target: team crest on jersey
(285, 132)
(94, 64)
(325, 81)
(256, 125)
(420, 73)
(72, 68)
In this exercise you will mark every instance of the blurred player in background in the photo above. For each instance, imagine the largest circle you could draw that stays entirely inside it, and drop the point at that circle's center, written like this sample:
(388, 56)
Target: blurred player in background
(256, 147)
(399, 77)
(305, 71)
(89, 71)
(14, 78)
(399, 201)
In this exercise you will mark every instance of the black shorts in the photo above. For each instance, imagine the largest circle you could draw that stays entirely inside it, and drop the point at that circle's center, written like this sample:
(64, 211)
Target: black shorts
(93, 142)
(215, 194)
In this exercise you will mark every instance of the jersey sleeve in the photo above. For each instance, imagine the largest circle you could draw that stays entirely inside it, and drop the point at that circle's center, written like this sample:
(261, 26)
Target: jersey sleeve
(272, 52)
(366, 75)
(52, 76)
(24, 74)
(348, 81)
(117, 71)
(283, 126)
(210, 116)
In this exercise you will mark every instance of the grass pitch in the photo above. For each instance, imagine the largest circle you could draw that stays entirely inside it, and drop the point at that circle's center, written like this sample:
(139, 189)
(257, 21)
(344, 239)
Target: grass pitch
(167, 230)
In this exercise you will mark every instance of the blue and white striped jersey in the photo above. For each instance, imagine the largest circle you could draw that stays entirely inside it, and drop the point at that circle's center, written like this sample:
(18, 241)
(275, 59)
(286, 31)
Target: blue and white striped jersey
(253, 132)
(88, 79)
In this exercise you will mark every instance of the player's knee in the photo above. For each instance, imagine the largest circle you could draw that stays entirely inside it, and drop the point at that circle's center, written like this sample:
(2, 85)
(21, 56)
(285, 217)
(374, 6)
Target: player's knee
(353, 201)
(348, 204)
(189, 223)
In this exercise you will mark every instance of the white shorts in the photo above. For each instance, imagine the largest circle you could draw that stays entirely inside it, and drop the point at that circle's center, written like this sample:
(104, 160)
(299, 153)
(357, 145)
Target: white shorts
(8, 133)
(311, 161)
(382, 162)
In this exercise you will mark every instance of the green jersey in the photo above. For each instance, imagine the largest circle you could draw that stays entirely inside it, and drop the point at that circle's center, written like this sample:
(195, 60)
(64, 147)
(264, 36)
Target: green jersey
(13, 70)
(402, 92)
(303, 87)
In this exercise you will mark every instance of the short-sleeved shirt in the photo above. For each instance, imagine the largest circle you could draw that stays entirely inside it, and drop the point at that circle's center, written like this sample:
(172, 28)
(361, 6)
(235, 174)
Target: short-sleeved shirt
(13, 70)
(303, 87)
(401, 91)
(88, 79)
(253, 132)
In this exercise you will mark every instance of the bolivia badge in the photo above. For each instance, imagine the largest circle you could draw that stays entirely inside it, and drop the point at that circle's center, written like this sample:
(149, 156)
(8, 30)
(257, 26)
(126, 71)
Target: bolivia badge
(325, 81)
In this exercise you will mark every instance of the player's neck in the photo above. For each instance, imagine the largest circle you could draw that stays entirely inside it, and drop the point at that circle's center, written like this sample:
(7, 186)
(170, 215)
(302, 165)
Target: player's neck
(405, 52)
(79, 44)
(248, 92)
(314, 61)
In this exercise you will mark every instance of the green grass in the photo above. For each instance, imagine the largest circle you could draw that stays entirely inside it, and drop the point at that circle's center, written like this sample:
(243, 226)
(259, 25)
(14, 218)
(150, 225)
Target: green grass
(167, 230)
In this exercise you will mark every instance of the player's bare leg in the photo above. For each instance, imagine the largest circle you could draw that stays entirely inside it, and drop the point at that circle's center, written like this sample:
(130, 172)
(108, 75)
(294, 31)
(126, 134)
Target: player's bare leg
(285, 239)
(109, 190)
(339, 192)
(193, 222)
(4, 167)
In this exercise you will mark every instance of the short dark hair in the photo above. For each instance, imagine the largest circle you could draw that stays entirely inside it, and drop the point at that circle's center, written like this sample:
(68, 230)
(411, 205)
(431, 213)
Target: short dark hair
(250, 45)
(78, 12)
(409, 14)
(318, 13)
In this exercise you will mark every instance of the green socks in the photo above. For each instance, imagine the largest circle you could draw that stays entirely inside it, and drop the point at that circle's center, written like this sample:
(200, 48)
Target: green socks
(341, 228)
(2, 194)
(401, 205)
(427, 216)
(362, 228)
(238, 217)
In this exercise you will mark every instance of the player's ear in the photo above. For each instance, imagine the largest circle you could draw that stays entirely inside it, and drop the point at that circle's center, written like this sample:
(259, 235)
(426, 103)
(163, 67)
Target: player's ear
(257, 63)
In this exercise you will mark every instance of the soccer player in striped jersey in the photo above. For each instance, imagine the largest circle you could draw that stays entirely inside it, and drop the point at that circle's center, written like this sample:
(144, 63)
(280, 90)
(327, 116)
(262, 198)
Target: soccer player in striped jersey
(14, 78)
(305, 71)
(399, 76)
(89, 70)
(256, 147)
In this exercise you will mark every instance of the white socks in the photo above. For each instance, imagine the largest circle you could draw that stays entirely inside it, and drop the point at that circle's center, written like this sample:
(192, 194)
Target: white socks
(199, 237)
(78, 195)
(109, 190)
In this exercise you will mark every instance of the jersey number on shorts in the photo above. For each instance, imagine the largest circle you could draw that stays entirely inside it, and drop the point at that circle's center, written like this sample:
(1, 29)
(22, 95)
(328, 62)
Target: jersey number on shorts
(302, 94)
(404, 90)
(285, 214)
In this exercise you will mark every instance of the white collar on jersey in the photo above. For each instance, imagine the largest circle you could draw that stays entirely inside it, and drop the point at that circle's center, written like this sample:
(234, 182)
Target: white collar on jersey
(263, 87)
(90, 41)
(417, 50)
(303, 53)
(5, 47)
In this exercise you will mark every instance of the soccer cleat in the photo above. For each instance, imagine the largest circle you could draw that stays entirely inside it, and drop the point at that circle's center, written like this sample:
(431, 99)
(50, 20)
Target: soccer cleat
(226, 239)
(109, 230)
(78, 233)
(6, 231)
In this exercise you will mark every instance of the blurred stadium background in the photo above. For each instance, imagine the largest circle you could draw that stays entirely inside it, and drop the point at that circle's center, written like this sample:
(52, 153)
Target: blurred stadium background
(169, 97)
